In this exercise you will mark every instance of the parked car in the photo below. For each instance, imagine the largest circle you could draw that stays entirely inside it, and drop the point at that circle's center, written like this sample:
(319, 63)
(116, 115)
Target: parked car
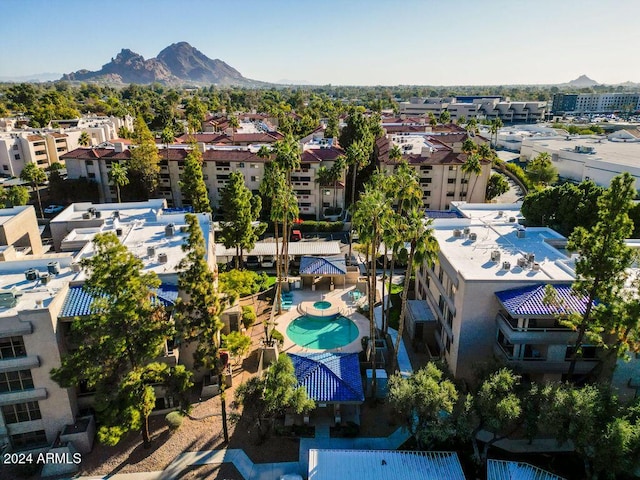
(296, 235)
(53, 209)
(252, 261)
(268, 261)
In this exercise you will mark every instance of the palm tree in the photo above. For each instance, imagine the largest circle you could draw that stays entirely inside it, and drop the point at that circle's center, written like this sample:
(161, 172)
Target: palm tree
(541, 171)
(84, 140)
(34, 175)
(472, 126)
(357, 158)
(395, 154)
(167, 136)
(118, 175)
(495, 126)
(423, 248)
(369, 217)
(337, 172)
(472, 167)
(324, 177)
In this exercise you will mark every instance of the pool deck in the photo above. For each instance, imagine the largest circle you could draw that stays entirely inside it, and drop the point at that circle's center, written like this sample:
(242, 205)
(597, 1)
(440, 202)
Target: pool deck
(340, 299)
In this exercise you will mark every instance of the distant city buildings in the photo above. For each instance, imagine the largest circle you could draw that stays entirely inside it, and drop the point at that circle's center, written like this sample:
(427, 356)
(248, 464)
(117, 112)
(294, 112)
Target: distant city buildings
(595, 103)
(480, 107)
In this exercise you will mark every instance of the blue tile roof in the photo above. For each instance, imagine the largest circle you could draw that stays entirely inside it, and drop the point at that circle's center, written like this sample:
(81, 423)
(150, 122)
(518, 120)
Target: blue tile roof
(322, 266)
(329, 377)
(528, 301)
(78, 302)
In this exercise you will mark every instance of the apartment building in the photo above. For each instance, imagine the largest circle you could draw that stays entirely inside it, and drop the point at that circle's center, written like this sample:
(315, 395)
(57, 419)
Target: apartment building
(437, 159)
(595, 103)
(19, 233)
(41, 295)
(218, 163)
(480, 107)
(45, 146)
(484, 295)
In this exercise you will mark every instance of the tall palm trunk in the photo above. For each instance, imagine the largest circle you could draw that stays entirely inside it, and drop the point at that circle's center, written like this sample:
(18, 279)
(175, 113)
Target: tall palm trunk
(403, 306)
(278, 273)
(35, 186)
(372, 319)
(353, 200)
(384, 281)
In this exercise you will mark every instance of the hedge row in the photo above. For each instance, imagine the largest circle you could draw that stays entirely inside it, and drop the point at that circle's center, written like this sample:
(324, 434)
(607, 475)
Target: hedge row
(314, 226)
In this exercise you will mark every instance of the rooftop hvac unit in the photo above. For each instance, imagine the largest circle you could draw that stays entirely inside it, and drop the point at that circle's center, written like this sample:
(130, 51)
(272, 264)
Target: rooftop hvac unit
(91, 210)
(521, 233)
(53, 268)
(531, 257)
(116, 214)
(151, 251)
(31, 274)
(86, 215)
(76, 267)
(39, 303)
(98, 214)
(162, 258)
(495, 256)
(535, 267)
(506, 266)
(457, 233)
(118, 232)
(500, 213)
(467, 231)
(522, 262)
(170, 230)
(473, 237)
(45, 278)
(512, 219)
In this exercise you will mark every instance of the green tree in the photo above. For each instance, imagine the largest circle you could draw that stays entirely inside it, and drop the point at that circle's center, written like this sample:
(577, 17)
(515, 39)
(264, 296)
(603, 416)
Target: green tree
(472, 167)
(84, 140)
(333, 126)
(425, 401)
(34, 175)
(494, 128)
(13, 196)
(125, 331)
(195, 112)
(144, 163)
(601, 266)
(541, 171)
(167, 136)
(372, 211)
(240, 209)
(496, 408)
(198, 318)
(192, 185)
(445, 117)
(118, 176)
(496, 186)
(238, 344)
(267, 397)
(423, 248)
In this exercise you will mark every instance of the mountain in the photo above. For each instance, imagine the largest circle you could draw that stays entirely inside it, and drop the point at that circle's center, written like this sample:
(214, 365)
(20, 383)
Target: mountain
(177, 64)
(582, 81)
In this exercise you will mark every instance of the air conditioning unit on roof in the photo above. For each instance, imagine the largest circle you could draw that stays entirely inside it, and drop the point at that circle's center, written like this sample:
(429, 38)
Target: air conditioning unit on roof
(495, 256)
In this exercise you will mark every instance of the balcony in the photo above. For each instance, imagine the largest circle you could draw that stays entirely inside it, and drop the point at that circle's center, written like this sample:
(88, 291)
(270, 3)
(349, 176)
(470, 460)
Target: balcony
(538, 363)
(546, 331)
(20, 363)
(23, 396)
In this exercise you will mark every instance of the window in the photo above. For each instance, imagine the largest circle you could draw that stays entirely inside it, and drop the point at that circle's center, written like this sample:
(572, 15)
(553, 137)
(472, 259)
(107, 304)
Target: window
(41, 152)
(12, 347)
(450, 194)
(91, 175)
(15, 147)
(426, 180)
(426, 168)
(451, 180)
(16, 381)
(588, 353)
(205, 177)
(5, 167)
(21, 412)
(29, 439)
(452, 168)
(89, 162)
(241, 165)
(255, 179)
(253, 165)
(16, 156)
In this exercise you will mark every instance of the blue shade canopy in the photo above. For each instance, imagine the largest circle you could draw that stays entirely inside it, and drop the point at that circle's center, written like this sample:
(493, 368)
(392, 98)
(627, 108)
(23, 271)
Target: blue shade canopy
(322, 266)
(329, 377)
(529, 301)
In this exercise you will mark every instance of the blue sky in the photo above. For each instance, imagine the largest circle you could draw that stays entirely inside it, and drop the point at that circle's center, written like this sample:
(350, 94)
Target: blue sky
(342, 42)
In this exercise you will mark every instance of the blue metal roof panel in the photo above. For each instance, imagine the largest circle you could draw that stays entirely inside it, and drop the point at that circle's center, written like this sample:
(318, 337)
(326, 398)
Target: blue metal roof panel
(504, 470)
(329, 377)
(523, 301)
(322, 266)
(78, 301)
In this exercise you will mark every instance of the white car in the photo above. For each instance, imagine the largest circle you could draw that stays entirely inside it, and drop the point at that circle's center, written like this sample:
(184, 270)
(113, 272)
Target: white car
(53, 209)
(268, 261)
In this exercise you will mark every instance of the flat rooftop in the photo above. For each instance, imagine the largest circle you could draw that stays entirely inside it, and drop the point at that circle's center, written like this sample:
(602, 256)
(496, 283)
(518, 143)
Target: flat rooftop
(499, 238)
(622, 153)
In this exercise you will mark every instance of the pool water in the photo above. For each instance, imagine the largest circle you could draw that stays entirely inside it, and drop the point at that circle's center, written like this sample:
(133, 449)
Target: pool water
(321, 333)
(322, 305)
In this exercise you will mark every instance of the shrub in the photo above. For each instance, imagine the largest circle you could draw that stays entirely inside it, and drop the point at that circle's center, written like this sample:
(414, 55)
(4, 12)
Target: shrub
(277, 336)
(314, 226)
(174, 419)
(248, 316)
(242, 283)
(518, 173)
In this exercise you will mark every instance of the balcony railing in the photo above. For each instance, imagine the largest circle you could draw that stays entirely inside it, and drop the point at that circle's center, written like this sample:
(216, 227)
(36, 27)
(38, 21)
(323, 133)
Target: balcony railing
(512, 323)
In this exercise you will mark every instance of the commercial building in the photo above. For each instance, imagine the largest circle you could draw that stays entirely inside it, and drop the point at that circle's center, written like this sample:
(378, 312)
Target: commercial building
(480, 107)
(596, 158)
(595, 103)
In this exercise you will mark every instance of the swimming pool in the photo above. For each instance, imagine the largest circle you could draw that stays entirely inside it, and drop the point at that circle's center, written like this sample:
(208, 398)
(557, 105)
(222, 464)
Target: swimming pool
(322, 333)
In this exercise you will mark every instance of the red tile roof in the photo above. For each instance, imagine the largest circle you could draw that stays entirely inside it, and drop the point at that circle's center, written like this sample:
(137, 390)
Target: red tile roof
(321, 154)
